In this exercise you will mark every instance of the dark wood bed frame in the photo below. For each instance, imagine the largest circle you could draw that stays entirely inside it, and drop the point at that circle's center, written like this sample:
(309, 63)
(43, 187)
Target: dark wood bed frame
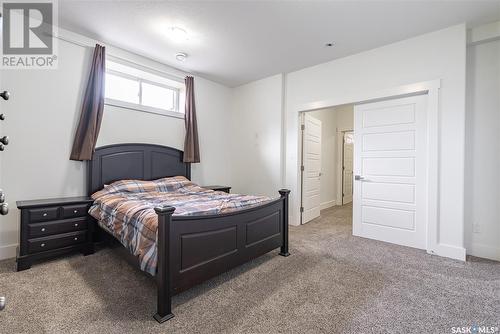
(192, 249)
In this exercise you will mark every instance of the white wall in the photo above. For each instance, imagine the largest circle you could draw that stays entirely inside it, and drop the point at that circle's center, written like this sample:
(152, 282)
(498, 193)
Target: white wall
(42, 116)
(345, 117)
(437, 55)
(329, 156)
(482, 185)
(255, 137)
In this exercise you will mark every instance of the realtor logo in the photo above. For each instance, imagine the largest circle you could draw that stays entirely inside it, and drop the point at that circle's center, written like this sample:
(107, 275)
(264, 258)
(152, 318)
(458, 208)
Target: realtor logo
(28, 34)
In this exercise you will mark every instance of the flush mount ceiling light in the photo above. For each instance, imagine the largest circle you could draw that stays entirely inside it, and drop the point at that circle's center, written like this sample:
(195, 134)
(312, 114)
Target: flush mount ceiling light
(177, 34)
(181, 56)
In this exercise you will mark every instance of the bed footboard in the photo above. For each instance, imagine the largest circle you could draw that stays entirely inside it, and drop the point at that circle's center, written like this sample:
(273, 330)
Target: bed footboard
(192, 249)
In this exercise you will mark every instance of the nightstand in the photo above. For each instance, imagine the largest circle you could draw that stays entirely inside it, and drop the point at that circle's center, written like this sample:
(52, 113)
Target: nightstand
(52, 227)
(218, 188)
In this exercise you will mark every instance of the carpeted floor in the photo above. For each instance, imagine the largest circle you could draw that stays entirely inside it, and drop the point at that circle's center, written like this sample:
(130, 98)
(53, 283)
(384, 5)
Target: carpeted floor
(332, 283)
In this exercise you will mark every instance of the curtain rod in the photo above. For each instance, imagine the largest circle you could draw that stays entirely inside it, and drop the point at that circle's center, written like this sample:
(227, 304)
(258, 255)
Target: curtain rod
(85, 45)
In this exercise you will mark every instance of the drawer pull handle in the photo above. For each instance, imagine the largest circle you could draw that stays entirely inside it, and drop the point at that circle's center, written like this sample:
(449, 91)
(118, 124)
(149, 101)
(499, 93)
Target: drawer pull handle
(76, 225)
(42, 229)
(76, 238)
(45, 214)
(42, 245)
(75, 211)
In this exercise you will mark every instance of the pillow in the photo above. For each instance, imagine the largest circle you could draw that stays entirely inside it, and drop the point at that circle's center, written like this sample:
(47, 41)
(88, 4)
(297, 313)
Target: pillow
(172, 183)
(166, 184)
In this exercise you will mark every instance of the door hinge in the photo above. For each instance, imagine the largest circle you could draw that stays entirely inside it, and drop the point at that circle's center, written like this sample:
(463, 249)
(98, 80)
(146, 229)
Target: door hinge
(303, 127)
(302, 168)
(301, 209)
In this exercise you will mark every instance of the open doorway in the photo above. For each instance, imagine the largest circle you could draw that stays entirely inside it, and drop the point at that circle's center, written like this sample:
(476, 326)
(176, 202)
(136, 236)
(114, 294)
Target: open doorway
(326, 178)
(387, 189)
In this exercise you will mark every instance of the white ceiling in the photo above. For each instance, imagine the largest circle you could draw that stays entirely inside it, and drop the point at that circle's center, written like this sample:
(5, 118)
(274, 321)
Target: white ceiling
(238, 42)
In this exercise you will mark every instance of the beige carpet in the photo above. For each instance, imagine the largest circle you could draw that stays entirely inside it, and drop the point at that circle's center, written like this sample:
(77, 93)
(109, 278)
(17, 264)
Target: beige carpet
(332, 283)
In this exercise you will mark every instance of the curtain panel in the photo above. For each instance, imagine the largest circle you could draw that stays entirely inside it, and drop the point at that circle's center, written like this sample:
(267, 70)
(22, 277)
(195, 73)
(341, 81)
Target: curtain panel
(191, 146)
(92, 109)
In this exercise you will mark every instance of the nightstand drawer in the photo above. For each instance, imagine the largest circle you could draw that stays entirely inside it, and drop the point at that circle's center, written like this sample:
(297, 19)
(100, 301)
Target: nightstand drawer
(56, 241)
(71, 211)
(56, 227)
(44, 214)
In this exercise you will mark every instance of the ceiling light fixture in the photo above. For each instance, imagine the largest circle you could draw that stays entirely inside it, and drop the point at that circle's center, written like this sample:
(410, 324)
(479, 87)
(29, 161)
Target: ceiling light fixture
(177, 34)
(181, 56)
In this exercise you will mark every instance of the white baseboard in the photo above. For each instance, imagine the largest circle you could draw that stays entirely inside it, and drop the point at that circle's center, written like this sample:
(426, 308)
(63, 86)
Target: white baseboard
(453, 252)
(294, 221)
(326, 205)
(484, 251)
(8, 252)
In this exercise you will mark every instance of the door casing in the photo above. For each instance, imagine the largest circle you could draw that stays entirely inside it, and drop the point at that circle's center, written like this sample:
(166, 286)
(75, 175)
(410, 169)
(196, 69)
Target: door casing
(343, 191)
(432, 88)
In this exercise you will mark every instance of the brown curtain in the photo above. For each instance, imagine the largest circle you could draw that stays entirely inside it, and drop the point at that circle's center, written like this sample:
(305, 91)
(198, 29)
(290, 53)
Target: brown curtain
(191, 146)
(91, 114)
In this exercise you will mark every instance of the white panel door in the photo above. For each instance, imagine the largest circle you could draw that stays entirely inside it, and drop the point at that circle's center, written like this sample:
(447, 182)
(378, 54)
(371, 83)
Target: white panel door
(390, 160)
(311, 175)
(347, 165)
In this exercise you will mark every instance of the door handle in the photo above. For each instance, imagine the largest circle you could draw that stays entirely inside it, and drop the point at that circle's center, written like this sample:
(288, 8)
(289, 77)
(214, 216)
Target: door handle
(5, 95)
(359, 177)
(4, 209)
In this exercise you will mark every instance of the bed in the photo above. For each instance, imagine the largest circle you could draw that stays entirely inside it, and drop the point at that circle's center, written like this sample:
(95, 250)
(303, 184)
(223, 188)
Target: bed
(191, 246)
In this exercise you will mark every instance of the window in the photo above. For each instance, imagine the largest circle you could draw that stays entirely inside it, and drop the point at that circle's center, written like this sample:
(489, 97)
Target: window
(139, 89)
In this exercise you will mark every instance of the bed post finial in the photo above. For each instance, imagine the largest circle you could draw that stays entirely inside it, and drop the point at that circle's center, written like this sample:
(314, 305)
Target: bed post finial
(164, 210)
(164, 272)
(284, 192)
(284, 246)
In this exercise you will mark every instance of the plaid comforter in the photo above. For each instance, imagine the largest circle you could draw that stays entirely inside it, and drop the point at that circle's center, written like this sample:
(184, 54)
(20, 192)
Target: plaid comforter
(126, 210)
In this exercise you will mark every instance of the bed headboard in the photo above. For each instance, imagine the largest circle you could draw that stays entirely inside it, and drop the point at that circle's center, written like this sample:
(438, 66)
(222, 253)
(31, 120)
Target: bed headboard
(134, 161)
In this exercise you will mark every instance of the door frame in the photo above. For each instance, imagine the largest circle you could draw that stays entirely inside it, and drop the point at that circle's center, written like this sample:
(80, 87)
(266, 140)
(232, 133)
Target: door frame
(431, 88)
(341, 169)
(338, 161)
